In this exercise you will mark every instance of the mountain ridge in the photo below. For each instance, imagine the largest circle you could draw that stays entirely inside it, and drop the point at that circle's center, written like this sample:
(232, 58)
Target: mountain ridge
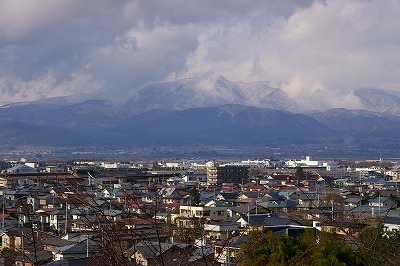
(195, 112)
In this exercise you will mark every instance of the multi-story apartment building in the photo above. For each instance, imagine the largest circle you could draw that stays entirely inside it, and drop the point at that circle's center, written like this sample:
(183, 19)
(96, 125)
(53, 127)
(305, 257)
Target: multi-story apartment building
(225, 173)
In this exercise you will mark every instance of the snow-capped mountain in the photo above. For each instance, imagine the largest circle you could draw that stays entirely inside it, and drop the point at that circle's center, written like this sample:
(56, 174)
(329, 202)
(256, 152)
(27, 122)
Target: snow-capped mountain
(197, 111)
(205, 92)
(378, 101)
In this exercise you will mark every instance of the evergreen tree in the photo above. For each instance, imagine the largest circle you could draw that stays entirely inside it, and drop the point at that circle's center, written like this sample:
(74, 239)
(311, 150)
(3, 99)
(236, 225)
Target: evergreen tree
(194, 196)
(300, 175)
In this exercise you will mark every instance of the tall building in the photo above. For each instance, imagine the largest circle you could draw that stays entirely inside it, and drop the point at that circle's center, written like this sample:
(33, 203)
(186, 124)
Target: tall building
(225, 173)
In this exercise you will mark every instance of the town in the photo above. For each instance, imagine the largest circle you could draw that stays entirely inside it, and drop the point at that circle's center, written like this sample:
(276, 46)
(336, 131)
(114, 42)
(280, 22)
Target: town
(87, 212)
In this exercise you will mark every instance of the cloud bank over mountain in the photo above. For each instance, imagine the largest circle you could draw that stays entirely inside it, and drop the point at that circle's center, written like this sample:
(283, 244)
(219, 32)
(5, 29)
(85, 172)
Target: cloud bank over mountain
(317, 52)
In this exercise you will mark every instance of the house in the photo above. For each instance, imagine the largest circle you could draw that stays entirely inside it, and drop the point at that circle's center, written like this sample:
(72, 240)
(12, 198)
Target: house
(163, 216)
(173, 195)
(42, 217)
(256, 188)
(278, 207)
(59, 218)
(49, 242)
(12, 239)
(3, 182)
(341, 227)
(226, 252)
(174, 180)
(71, 262)
(252, 208)
(374, 182)
(289, 195)
(206, 197)
(137, 223)
(213, 210)
(30, 239)
(366, 212)
(87, 224)
(391, 223)
(256, 221)
(228, 197)
(41, 257)
(191, 177)
(203, 254)
(83, 249)
(382, 202)
(8, 220)
(155, 253)
(108, 193)
(230, 188)
(281, 179)
(220, 231)
(352, 202)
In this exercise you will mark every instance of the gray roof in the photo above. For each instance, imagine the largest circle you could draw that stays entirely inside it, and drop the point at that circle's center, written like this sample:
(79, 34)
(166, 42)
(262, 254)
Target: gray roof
(268, 220)
(79, 248)
(55, 241)
(152, 250)
(379, 199)
(70, 262)
(21, 166)
(392, 220)
(41, 256)
(352, 200)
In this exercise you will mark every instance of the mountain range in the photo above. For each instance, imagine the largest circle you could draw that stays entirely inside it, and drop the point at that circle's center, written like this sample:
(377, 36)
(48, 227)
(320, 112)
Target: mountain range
(194, 112)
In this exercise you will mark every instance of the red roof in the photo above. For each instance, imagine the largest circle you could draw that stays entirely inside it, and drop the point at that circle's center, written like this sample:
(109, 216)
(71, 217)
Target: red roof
(256, 187)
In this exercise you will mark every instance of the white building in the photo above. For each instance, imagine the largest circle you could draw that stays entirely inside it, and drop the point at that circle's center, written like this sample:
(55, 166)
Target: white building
(308, 163)
(108, 165)
(21, 168)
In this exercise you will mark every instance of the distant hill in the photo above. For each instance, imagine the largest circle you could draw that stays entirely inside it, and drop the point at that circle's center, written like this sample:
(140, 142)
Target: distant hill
(196, 112)
(19, 133)
(360, 123)
(222, 125)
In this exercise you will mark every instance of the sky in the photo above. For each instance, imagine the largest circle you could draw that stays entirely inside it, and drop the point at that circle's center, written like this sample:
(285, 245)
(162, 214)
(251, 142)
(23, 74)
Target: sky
(313, 50)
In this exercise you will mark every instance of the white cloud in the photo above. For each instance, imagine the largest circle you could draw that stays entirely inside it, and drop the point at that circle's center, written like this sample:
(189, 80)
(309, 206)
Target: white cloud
(317, 50)
(320, 53)
(47, 86)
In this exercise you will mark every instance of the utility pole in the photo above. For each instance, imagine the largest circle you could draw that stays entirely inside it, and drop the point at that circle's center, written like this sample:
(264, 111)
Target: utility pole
(379, 203)
(248, 218)
(22, 248)
(227, 260)
(87, 246)
(66, 217)
(4, 206)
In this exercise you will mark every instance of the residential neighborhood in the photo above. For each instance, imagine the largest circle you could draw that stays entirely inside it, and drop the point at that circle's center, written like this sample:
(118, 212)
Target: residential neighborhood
(184, 212)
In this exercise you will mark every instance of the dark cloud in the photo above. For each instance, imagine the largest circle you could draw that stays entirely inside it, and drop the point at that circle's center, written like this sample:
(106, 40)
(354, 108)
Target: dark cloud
(310, 48)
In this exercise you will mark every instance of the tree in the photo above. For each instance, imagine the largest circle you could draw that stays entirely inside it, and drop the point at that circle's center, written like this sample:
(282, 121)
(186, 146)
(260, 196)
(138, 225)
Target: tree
(194, 196)
(4, 165)
(379, 247)
(266, 248)
(300, 174)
